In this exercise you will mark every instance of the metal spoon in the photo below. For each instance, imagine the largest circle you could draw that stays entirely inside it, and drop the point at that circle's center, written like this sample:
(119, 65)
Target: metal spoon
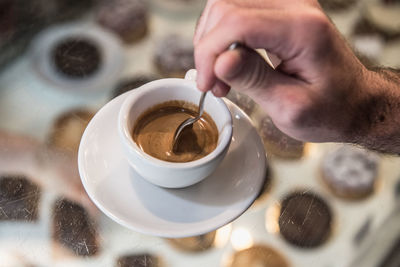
(190, 121)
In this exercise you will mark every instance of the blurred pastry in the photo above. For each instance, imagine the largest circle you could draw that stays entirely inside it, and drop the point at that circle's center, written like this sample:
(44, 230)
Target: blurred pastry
(278, 143)
(67, 130)
(132, 83)
(74, 229)
(257, 256)
(305, 220)
(138, 260)
(174, 56)
(195, 243)
(243, 101)
(19, 198)
(126, 18)
(76, 57)
(350, 172)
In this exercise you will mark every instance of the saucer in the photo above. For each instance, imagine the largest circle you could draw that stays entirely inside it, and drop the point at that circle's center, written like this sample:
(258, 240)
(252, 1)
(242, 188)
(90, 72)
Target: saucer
(109, 46)
(127, 198)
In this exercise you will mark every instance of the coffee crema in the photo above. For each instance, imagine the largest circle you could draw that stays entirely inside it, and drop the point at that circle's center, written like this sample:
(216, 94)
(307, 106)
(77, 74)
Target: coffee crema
(154, 131)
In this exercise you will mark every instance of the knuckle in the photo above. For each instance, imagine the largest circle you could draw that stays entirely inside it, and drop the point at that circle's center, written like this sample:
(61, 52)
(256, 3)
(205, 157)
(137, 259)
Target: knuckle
(236, 17)
(219, 9)
(314, 21)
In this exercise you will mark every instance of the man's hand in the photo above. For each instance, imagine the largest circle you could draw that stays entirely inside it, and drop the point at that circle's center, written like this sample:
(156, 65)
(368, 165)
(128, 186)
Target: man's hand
(320, 92)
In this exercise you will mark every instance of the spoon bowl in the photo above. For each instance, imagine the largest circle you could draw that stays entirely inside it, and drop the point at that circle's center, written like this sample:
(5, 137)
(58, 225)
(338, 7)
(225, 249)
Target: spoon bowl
(190, 121)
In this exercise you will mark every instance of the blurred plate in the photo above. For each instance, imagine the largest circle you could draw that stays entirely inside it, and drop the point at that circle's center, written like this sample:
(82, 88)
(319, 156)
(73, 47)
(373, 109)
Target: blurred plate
(133, 202)
(109, 45)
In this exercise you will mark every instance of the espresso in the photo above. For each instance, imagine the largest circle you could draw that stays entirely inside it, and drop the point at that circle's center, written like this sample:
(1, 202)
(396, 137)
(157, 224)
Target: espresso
(154, 131)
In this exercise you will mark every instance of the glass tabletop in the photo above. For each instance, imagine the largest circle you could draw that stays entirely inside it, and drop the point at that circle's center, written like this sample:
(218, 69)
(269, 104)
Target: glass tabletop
(62, 61)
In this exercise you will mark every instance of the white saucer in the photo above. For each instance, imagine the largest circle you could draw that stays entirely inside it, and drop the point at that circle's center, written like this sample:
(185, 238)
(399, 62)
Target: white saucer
(133, 202)
(109, 46)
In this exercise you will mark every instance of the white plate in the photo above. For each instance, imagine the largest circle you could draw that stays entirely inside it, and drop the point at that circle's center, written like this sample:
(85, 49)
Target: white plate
(108, 44)
(133, 202)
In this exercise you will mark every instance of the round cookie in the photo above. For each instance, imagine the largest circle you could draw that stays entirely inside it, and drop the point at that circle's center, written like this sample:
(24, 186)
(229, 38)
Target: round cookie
(132, 83)
(305, 220)
(19, 198)
(350, 172)
(278, 143)
(138, 260)
(243, 101)
(68, 128)
(74, 229)
(174, 56)
(126, 18)
(195, 243)
(76, 57)
(258, 255)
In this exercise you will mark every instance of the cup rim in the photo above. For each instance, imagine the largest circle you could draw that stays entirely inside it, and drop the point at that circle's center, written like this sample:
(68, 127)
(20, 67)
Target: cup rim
(133, 147)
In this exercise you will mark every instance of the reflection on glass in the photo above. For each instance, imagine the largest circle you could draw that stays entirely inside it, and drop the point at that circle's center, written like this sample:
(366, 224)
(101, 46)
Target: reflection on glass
(241, 239)
(271, 218)
(222, 235)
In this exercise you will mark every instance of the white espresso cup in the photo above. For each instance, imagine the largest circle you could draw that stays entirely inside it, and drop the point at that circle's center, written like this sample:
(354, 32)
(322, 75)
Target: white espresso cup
(164, 173)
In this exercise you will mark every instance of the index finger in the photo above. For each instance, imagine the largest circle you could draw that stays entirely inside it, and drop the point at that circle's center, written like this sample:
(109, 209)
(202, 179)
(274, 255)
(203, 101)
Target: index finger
(202, 21)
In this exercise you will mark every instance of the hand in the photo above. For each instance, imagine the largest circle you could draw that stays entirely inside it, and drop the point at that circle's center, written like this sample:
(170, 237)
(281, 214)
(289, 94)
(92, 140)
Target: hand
(313, 94)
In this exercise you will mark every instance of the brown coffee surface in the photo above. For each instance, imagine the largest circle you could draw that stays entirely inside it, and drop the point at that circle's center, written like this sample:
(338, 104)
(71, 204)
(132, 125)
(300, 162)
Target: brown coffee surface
(154, 132)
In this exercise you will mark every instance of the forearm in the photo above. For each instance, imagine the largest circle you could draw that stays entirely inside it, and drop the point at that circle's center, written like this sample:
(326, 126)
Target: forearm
(376, 122)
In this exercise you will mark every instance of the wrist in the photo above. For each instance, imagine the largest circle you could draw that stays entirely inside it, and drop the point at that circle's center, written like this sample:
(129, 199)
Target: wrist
(376, 121)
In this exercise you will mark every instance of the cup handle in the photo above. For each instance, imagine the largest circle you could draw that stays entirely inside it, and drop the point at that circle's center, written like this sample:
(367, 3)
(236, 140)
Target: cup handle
(191, 75)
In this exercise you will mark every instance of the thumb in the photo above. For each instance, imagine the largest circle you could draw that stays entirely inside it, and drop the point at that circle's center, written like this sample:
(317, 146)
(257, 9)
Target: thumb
(245, 70)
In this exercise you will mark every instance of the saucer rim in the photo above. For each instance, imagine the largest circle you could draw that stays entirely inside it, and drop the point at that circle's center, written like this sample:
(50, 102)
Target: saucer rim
(183, 232)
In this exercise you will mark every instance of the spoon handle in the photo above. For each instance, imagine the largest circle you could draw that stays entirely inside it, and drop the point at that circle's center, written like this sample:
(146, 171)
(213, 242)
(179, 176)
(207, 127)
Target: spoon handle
(201, 104)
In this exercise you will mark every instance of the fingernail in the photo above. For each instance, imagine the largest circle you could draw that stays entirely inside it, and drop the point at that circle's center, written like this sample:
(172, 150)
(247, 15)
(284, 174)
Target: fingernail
(216, 90)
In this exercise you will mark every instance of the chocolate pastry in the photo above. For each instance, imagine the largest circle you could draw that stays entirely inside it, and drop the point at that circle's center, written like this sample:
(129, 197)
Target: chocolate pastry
(138, 260)
(243, 101)
(132, 83)
(77, 57)
(305, 220)
(74, 229)
(350, 172)
(195, 243)
(68, 128)
(127, 18)
(174, 56)
(258, 255)
(19, 198)
(278, 143)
